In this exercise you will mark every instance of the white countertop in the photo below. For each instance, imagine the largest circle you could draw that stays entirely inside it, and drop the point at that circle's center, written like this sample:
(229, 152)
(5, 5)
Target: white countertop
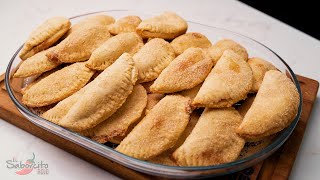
(18, 17)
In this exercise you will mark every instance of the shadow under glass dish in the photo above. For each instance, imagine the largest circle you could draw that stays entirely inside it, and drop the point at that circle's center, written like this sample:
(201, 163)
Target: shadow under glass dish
(253, 47)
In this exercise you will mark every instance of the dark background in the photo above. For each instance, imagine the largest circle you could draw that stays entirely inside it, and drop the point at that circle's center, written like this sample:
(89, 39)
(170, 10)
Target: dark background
(303, 14)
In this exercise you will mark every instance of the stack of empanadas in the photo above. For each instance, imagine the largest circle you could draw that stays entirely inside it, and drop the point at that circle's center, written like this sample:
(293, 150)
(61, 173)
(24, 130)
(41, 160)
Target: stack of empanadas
(170, 100)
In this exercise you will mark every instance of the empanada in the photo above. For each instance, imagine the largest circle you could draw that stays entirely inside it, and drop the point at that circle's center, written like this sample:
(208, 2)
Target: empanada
(213, 140)
(125, 24)
(168, 25)
(79, 45)
(159, 130)
(228, 82)
(61, 109)
(100, 19)
(152, 58)
(44, 36)
(219, 47)
(153, 99)
(57, 86)
(127, 114)
(113, 48)
(36, 65)
(259, 67)
(103, 96)
(188, 40)
(185, 72)
(165, 158)
(274, 108)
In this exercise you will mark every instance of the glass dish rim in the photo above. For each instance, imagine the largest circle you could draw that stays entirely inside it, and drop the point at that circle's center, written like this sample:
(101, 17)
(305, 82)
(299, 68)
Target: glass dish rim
(274, 145)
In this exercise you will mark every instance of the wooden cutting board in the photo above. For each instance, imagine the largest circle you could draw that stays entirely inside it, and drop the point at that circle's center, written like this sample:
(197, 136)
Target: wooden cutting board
(277, 166)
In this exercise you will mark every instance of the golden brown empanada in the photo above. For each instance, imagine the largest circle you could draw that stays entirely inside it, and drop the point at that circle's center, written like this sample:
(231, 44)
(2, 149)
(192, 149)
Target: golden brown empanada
(113, 48)
(168, 25)
(159, 130)
(79, 45)
(153, 99)
(152, 58)
(44, 36)
(274, 108)
(228, 82)
(36, 65)
(56, 113)
(35, 79)
(219, 47)
(259, 67)
(165, 158)
(100, 19)
(103, 96)
(213, 140)
(127, 114)
(185, 72)
(57, 86)
(188, 40)
(125, 24)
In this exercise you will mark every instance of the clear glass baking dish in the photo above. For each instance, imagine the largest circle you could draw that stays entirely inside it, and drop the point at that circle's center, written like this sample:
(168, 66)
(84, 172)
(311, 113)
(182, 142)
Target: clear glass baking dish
(254, 48)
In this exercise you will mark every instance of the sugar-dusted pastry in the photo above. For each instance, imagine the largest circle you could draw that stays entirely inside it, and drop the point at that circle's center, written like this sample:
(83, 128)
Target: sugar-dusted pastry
(125, 24)
(165, 157)
(44, 36)
(259, 67)
(274, 108)
(159, 130)
(185, 72)
(127, 114)
(35, 79)
(103, 20)
(213, 140)
(167, 25)
(153, 99)
(79, 45)
(152, 58)
(219, 47)
(103, 96)
(113, 48)
(56, 113)
(35, 65)
(57, 86)
(228, 82)
(188, 40)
